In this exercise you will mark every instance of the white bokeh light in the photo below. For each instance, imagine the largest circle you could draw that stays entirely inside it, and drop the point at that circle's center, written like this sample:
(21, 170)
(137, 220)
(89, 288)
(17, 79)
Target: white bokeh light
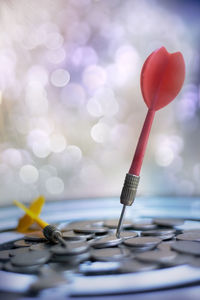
(57, 143)
(60, 77)
(28, 174)
(54, 185)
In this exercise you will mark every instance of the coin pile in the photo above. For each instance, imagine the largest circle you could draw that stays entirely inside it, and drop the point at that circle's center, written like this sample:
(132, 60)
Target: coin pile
(92, 248)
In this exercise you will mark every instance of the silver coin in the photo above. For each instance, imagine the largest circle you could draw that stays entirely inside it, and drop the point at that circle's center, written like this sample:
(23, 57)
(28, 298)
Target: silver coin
(31, 258)
(128, 234)
(187, 247)
(189, 236)
(71, 260)
(35, 237)
(90, 229)
(40, 246)
(71, 248)
(4, 255)
(72, 236)
(113, 223)
(165, 246)
(107, 241)
(72, 225)
(109, 254)
(142, 241)
(21, 269)
(181, 259)
(16, 251)
(168, 222)
(22, 243)
(158, 232)
(136, 266)
(143, 225)
(156, 256)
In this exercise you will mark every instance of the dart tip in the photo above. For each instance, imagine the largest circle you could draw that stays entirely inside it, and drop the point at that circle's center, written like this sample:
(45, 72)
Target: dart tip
(120, 222)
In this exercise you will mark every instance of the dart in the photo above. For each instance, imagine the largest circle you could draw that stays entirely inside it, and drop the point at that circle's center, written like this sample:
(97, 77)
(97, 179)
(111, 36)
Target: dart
(162, 77)
(51, 232)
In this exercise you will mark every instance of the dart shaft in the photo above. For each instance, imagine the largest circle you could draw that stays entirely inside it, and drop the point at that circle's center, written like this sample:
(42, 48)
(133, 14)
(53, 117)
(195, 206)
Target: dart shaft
(142, 144)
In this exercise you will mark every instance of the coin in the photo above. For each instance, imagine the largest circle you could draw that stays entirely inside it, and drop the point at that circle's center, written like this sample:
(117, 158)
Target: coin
(22, 243)
(158, 232)
(113, 223)
(143, 225)
(168, 222)
(107, 241)
(90, 229)
(187, 247)
(165, 246)
(189, 236)
(72, 248)
(71, 260)
(31, 258)
(136, 266)
(109, 254)
(36, 236)
(4, 255)
(142, 241)
(156, 256)
(126, 234)
(16, 251)
(21, 269)
(72, 236)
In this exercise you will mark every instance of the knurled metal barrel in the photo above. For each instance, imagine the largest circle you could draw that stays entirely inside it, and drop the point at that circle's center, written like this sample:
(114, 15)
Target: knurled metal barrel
(129, 189)
(52, 233)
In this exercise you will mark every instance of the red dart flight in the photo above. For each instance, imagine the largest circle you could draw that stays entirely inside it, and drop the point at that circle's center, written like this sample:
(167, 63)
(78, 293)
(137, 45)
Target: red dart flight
(162, 77)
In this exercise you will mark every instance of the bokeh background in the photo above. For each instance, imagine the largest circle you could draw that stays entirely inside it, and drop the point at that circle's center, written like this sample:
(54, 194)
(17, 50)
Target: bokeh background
(71, 108)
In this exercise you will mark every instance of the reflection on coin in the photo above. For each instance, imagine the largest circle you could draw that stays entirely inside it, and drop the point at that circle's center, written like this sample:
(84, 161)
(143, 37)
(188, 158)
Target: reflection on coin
(72, 236)
(168, 222)
(136, 266)
(41, 246)
(189, 236)
(71, 248)
(107, 241)
(36, 236)
(113, 223)
(72, 225)
(22, 243)
(109, 254)
(128, 234)
(21, 269)
(143, 225)
(142, 241)
(187, 247)
(31, 258)
(156, 256)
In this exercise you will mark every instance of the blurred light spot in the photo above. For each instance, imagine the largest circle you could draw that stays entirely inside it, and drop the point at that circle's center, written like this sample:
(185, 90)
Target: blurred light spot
(54, 40)
(73, 95)
(39, 142)
(12, 157)
(60, 77)
(54, 185)
(58, 143)
(0, 97)
(94, 77)
(28, 174)
(84, 56)
(35, 99)
(38, 73)
(103, 103)
(164, 156)
(56, 56)
(100, 132)
(74, 152)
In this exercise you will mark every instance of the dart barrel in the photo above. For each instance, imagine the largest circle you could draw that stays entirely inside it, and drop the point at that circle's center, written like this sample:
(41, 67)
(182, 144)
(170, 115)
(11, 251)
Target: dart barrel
(129, 190)
(52, 233)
